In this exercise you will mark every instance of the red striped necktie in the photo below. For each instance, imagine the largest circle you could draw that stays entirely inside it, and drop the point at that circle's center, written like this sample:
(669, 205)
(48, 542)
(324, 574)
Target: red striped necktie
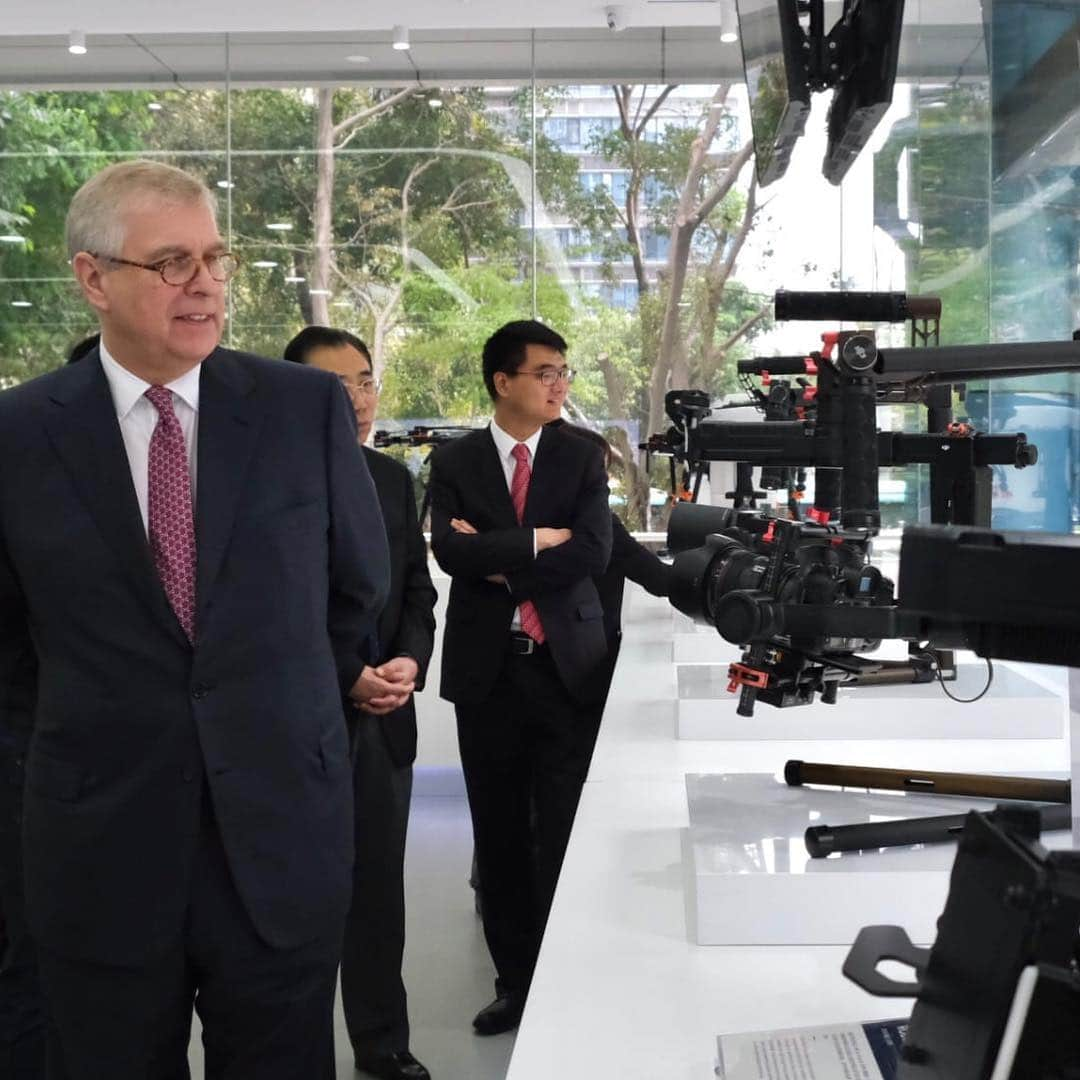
(519, 491)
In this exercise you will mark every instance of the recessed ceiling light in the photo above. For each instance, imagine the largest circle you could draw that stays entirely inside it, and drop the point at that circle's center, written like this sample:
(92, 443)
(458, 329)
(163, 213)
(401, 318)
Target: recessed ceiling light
(264, 264)
(358, 58)
(155, 106)
(225, 184)
(279, 226)
(401, 38)
(77, 43)
(292, 279)
(499, 89)
(319, 292)
(21, 303)
(13, 238)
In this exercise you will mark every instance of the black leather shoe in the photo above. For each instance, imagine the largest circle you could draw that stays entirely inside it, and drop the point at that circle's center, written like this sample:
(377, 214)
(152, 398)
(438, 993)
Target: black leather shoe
(399, 1065)
(503, 1014)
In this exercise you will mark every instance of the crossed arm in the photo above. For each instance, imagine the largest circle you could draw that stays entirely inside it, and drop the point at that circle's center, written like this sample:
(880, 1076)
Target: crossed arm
(561, 556)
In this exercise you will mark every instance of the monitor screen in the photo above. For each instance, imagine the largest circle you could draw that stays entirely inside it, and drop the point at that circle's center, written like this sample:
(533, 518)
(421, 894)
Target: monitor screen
(771, 40)
(862, 97)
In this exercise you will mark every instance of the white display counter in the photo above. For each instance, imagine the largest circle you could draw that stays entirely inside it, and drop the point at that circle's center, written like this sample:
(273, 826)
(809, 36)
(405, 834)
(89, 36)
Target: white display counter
(622, 989)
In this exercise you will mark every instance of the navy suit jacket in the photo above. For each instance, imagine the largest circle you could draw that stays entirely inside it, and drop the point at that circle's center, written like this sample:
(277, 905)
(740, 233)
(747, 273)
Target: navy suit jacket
(568, 489)
(130, 721)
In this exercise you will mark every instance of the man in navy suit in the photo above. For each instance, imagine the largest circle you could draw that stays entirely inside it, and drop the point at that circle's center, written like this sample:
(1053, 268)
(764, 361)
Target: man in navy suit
(520, 521)
(191, 541)
(383, 726)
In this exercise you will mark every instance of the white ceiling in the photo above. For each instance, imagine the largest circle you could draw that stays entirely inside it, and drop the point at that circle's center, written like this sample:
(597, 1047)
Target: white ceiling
(283, 42)
(201, 16)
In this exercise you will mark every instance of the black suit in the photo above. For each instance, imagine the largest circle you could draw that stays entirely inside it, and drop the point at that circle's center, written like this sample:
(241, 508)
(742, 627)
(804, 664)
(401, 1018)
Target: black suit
(22, 1011)
(525, 722)
(373, 994)
(188, 804)
(633, 561)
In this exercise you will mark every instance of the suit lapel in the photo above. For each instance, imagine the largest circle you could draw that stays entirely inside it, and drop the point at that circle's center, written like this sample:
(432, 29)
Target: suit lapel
(493, 479)
(85, 432)
(545, 478)
(229, 423)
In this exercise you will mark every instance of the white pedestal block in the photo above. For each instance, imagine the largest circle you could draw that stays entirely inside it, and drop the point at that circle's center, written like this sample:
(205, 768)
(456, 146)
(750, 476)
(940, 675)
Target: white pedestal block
(697, 643)
(1015, 707)
(751, 881)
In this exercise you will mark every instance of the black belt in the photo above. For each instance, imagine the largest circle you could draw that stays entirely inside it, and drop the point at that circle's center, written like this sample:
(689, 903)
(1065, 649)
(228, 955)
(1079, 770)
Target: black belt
(523, 645)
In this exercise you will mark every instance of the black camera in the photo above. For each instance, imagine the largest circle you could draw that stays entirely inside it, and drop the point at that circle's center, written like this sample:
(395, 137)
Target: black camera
(743, 573)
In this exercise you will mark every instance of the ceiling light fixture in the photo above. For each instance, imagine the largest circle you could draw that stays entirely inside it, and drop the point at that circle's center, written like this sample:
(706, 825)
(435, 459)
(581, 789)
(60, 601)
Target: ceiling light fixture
(280, 226)
(21, 303)
(264, 264)
(225, 184)
(401, 38)
(293, 279)
(435, 102)
(77, 43)
(155, 106)
(13, 238)
(358, 58)
(729, 22)
(319, 292)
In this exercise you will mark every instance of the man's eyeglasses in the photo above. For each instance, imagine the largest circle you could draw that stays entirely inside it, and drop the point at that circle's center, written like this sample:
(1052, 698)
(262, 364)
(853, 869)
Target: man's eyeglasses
(549, 376)
(365, 385)
(182, 269)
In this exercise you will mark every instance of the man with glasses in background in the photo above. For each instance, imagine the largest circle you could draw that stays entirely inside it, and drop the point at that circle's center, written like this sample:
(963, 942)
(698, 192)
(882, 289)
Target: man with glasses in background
(520, 521)
(382, 723)
(191, 544)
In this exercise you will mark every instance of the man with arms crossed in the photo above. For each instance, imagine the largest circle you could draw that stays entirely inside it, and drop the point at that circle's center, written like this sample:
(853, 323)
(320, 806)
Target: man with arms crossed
(520, 521)
(197, 592)
(383, 725)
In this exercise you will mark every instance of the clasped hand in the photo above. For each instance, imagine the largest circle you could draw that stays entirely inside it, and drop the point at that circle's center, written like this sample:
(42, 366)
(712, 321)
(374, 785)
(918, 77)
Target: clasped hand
(545, 538)
(383, 689)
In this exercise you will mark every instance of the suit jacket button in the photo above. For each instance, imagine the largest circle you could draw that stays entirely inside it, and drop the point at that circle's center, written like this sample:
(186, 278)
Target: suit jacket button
(188, 776)
(198, 692)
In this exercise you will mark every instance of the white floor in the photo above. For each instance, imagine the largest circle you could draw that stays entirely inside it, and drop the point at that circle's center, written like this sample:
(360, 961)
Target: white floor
(448, 974)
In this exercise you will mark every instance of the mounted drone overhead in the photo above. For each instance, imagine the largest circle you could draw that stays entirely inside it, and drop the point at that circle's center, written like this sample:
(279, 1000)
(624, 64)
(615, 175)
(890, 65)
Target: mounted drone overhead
(787, 55)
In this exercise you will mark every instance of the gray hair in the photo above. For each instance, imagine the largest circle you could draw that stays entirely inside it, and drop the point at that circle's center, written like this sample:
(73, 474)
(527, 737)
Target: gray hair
(95, 219)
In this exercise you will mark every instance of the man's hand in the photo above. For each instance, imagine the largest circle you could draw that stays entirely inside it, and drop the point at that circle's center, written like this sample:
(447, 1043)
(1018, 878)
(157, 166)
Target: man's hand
(549, 538)
(376, 694)
(402, 670)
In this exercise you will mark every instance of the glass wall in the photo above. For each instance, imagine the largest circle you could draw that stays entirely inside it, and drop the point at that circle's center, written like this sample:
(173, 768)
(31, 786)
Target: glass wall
(421, 211)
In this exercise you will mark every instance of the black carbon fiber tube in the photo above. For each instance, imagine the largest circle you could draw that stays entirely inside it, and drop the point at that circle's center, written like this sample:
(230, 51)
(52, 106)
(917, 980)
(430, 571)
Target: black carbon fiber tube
(859, 497)
(890, 307)
(823, 840)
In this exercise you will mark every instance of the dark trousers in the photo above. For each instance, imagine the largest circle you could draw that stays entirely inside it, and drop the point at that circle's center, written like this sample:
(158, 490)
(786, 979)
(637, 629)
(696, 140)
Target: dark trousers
(266, 1013)
(22, 1011)
(525, 754)
(372, 992)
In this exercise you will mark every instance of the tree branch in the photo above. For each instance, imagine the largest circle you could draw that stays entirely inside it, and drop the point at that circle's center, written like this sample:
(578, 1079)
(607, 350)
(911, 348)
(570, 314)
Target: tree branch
(364, 115)
(709, 203)
(654, 108)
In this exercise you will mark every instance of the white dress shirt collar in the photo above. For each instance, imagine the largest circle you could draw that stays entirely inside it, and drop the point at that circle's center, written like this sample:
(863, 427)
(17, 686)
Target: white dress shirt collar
(127, 388)
(505, 443)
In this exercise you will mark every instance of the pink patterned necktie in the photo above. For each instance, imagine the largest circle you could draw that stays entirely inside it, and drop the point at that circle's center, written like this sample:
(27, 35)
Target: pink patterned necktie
(519, 490)
(172, 520)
